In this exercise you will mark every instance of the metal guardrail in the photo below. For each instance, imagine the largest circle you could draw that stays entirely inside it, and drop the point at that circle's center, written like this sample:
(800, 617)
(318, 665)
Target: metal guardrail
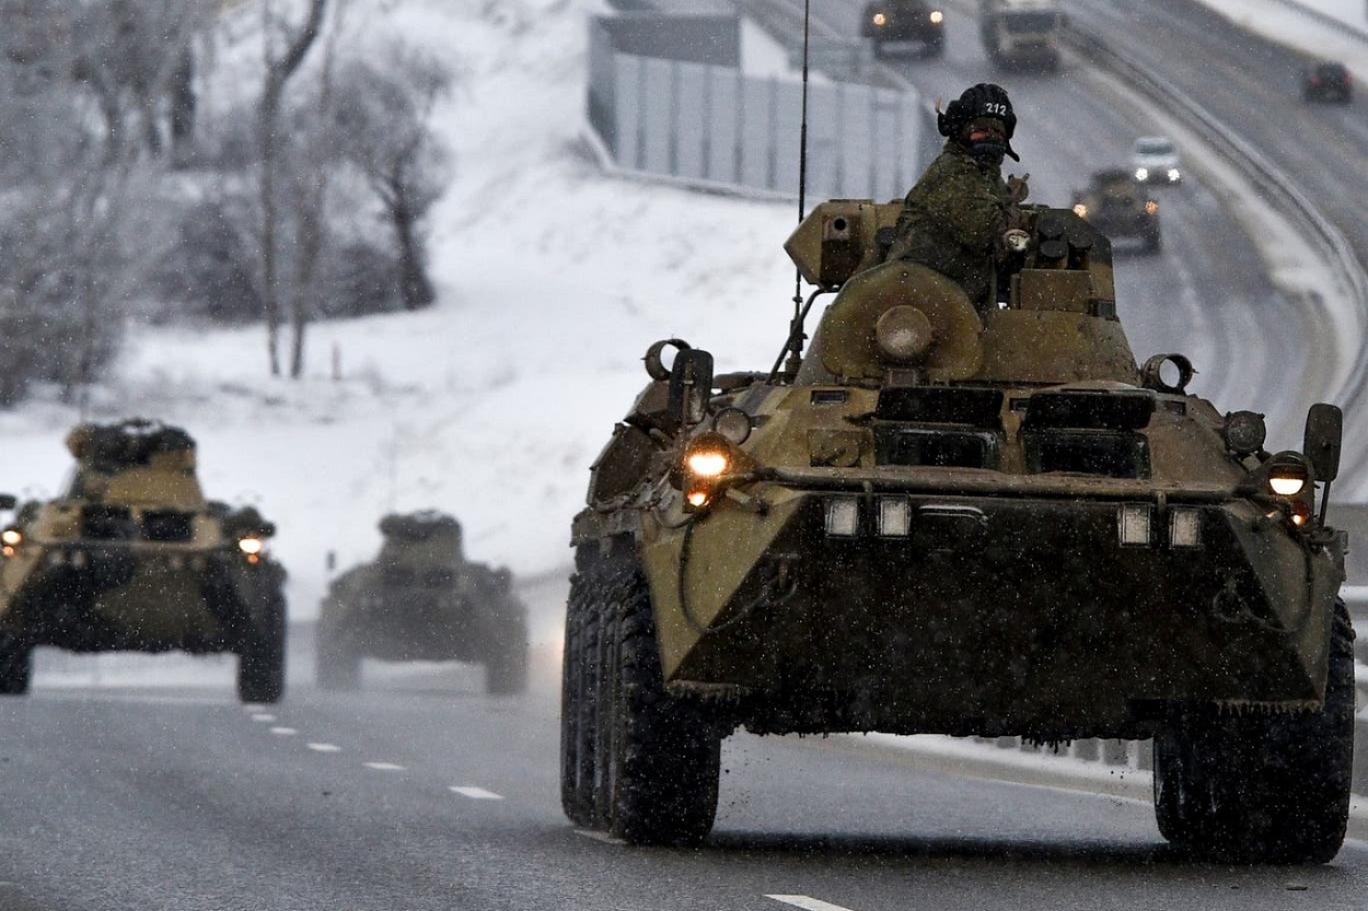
(1253, 164)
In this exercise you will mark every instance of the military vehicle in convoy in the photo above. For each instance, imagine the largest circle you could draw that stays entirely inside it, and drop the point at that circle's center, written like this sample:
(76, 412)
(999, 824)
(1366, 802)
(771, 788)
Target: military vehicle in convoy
(422, 600)
(1021, 33)
(903, 23)
(1115, 204)
(961, 520)
(131, 556)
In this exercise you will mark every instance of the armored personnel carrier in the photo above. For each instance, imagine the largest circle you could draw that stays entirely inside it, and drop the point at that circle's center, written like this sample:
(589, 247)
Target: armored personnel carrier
(966, 521)
(902, 23)
(133, 557)
(421, 600)
(1116, 205)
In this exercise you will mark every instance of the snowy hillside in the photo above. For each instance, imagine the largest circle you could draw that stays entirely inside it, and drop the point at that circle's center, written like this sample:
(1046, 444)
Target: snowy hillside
(554, 280)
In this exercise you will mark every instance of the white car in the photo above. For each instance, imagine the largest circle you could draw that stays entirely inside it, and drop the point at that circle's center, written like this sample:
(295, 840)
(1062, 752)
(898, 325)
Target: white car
(1154, 160)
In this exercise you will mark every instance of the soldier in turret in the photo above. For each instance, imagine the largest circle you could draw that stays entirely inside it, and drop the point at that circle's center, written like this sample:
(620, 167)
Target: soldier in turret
(956, 217)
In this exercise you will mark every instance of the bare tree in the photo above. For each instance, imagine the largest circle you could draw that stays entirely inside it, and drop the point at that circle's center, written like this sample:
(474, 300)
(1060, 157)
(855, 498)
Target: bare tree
(386, 128)
(279, 70)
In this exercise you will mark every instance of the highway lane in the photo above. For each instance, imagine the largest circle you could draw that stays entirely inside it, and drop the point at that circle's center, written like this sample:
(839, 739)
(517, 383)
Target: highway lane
(177, 798)
(1208, 293)
(1252, 85)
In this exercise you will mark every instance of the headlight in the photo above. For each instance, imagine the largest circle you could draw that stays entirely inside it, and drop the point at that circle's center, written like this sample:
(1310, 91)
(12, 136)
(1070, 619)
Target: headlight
(1287, 474)
(707, 464)
(251, 546)
(734, 424)
(1173, 175)
(937, 17)
(698, 497)
(880, 20)
(1244, 432)
(1080, 210)
(1142, 173)
(1151, 207)
(11, 537)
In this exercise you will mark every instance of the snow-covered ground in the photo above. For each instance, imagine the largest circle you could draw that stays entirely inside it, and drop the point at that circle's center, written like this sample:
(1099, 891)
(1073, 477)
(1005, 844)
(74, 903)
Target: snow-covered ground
(1287, 22)
(492, 405)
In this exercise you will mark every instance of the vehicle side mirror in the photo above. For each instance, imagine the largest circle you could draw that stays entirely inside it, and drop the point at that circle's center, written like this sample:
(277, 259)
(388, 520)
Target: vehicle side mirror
(691, 381)
(1324, 439)
(8, 501)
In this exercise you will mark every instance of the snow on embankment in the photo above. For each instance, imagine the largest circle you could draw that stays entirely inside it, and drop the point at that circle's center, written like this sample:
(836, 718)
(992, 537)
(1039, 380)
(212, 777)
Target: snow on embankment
(554, 280)
(1304, 25)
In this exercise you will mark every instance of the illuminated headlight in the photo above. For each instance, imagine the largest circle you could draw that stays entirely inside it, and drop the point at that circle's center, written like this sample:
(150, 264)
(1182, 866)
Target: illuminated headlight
(1134, 524)
(937, 17)
(1185, 528)
(895, 517)
(1142, 173)
(880, 19)
(1151, 207)
(11, 537)
(707, 463)
(1080, 210)
(842, 517)
(251, 546)
(1173, 175)
(1287, 484)
(698, 497)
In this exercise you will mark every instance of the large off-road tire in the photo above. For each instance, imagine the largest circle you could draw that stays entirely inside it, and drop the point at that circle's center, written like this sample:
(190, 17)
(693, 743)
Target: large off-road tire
(261, 662)
(578, 682)
(16, 665)
(1262, 789)
(337, 662)
(658, 757)
(506, 669)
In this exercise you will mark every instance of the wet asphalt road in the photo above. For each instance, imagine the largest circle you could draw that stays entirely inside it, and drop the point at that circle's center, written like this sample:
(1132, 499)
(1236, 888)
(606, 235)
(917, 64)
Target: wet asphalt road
(177, 798)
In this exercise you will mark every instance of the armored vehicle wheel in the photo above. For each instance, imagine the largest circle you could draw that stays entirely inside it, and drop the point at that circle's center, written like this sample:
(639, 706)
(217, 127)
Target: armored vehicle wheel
(16, 665)
(1270, 789)
(658, 757)
(1154, 242)
(577, 704)
(337, 661)
(506, 671)
(261, 663)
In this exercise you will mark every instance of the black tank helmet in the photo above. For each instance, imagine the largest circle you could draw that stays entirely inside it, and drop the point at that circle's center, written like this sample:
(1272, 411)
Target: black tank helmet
(982, 100)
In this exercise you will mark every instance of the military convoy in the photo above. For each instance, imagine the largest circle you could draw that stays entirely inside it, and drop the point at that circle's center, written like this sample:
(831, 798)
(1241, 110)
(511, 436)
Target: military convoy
(946, 519)
(1115, 204)
(420, 599)
(131, 556)
(1022, 34)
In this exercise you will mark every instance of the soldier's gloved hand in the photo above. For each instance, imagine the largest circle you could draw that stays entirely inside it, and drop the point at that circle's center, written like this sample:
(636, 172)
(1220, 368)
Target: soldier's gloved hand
(1016, 241)
(1017, 187)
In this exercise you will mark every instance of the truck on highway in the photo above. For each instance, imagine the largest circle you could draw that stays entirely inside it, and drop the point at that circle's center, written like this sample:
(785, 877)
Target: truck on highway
(1021, 33)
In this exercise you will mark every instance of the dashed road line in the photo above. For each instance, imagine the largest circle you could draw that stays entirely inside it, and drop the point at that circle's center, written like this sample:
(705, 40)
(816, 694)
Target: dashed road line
(264, 718)
(807, 904)
(383, 766)
(475, 793)
(325, 748)
(600, 836)
(284, 732)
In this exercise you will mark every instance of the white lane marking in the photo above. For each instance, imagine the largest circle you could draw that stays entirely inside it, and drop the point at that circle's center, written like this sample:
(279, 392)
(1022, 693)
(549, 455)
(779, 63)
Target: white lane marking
(807, 904)
(600, 836)
(284, 732)
(383, 766)
(475, 793)
(251, 709)
(325, 748)
(263, 718)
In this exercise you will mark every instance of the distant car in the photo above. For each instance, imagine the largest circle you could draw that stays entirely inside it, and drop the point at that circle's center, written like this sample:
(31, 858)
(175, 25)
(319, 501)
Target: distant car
(1154, 160)
(1327, 82)
(905, 22)
(1117, 205)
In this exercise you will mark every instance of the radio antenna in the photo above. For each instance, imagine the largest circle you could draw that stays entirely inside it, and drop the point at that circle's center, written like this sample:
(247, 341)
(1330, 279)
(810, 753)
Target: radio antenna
(796, 334)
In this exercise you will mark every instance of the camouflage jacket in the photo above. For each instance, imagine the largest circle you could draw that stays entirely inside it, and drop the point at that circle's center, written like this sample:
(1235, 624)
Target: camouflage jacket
(952, 221)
